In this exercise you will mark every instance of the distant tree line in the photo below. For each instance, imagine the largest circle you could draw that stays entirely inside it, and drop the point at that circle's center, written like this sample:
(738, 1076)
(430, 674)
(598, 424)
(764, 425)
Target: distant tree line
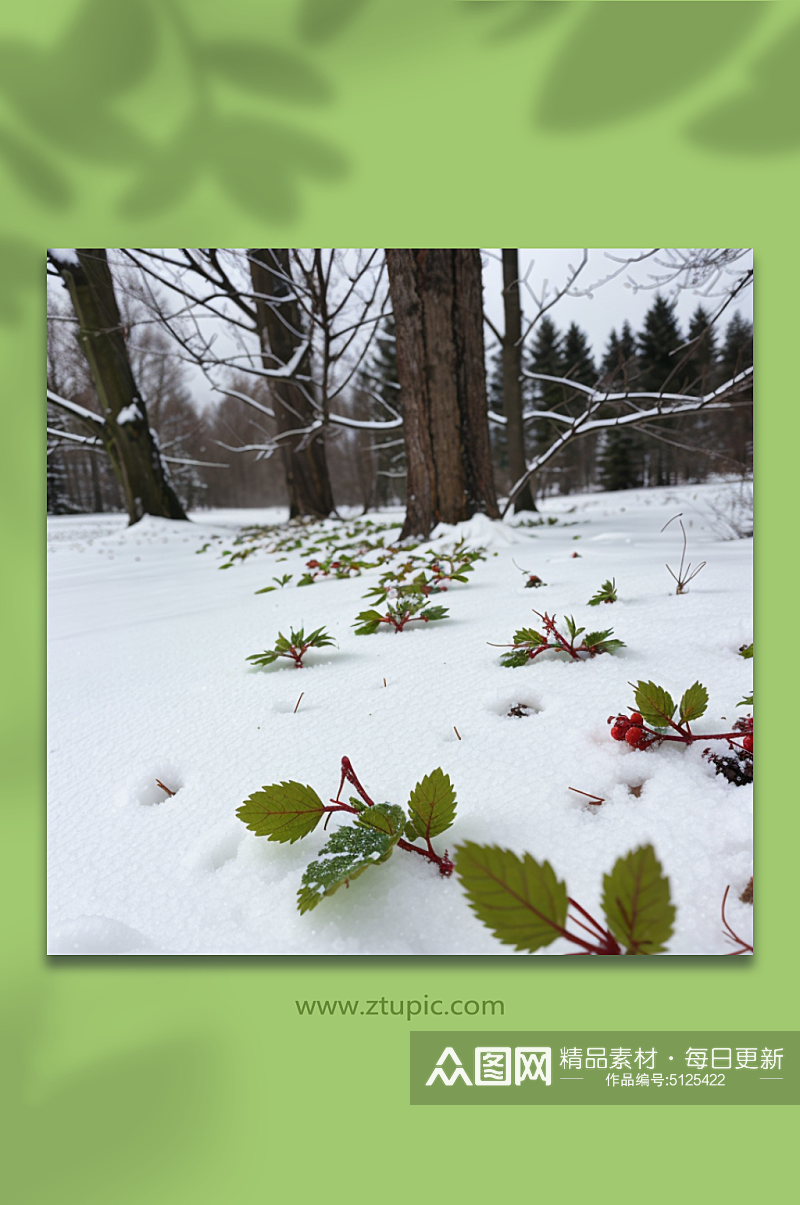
(658, 357)
(367, 383)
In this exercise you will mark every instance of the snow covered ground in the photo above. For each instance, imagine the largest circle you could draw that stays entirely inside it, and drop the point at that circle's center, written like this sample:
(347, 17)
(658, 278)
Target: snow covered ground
(148, 680)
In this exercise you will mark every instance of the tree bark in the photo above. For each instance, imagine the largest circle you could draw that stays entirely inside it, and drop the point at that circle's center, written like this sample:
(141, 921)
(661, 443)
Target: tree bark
(280, 331)
(512, 382)
(438, 310)
(125, 432)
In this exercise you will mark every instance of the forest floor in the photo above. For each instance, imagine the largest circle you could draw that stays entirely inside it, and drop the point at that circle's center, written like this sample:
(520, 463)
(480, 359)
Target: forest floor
(148, 681)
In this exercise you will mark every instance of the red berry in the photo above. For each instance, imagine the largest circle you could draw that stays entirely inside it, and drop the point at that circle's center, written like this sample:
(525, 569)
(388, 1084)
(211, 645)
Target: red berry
(747, 743)
(618, 733)
(636, 719)
(634, 735)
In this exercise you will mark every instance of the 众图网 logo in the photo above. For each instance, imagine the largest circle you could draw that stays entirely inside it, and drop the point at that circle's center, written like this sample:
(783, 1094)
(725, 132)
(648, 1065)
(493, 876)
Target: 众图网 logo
(494, 1067)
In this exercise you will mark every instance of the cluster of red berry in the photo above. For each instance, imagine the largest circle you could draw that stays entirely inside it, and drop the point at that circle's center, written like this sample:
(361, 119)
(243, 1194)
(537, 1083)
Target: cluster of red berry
(628, 728)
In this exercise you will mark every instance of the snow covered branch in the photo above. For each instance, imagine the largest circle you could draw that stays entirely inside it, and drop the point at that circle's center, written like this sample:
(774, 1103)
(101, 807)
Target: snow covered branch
(92, 420)
(668, 405)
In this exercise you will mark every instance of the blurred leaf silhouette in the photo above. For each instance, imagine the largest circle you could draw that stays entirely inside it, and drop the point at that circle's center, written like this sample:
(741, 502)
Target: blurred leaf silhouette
(47, 183)
(623, 59)
(516, 18)
(22, 267)
(104, 51)
(763, 119)
(257, 163)
(150, 1101)
(167, 173)
(267, 71)
(322, 20)
(108, 49)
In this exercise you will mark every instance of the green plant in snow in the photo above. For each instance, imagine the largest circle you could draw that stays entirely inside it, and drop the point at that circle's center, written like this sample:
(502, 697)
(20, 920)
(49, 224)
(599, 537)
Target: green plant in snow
(606, 594)
(528, 643)
(281, 582)
(525, 905)
(397, 614)
(294, 648)
(287, 811)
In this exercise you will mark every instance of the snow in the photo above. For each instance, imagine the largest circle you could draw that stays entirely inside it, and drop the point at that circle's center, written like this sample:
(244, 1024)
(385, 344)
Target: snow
(148, 680)
(67, 255)
(129, 414)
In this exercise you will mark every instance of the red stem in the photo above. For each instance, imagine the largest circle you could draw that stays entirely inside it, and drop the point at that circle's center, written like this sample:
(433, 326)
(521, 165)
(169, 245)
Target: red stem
(731, 932)
(687, 738)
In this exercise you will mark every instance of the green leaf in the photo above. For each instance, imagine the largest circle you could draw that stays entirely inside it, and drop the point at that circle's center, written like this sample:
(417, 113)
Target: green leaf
(608, 646)
(694, 703)
(266, 590)
(319, 639)
(572, 628)
(433, 804)
(654, 703)
(515, 659)
(528, 636)
(593, 638)
(284, 811)
(367, 622)
(747, 701)
(387, 818)
(746, 651)
(265, 658)
(434, 613)
(636, 902)
(410, 832)
(606, 594)
(521, 901)
(350, 851)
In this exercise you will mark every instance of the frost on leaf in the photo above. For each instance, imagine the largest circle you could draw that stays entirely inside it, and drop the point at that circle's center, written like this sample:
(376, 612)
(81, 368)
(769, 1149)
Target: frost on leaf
(519, 899)
(636, 902)
(350, 851)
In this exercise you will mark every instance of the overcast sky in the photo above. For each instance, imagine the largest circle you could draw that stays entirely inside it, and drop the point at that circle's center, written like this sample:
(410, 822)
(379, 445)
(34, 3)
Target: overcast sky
(610, 303)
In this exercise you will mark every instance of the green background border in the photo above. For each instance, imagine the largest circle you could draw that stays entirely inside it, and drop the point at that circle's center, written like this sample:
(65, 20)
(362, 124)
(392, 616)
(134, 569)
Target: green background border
(192, 1079)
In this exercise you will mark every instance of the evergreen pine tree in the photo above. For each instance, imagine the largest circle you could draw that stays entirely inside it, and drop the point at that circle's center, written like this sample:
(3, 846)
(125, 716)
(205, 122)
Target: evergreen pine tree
(659, 338)
(737, 354)
(544, 355)
(578, 460)
(702, 367)
(737, 351)
(619, 362)
(620, 459)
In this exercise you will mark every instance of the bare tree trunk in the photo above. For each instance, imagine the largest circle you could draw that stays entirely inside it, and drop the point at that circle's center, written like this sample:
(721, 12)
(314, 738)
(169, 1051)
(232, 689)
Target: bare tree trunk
(438, 311)
(279, 328)
(512, 374)
(125, 431)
